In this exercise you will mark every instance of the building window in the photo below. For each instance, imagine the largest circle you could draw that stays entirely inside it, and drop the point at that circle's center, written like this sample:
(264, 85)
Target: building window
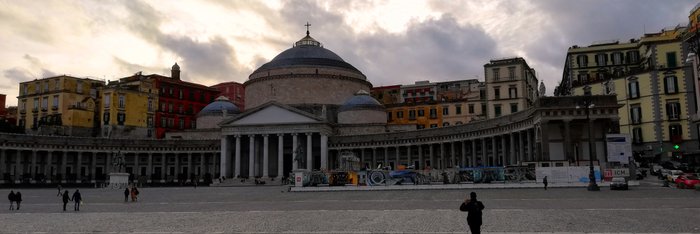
(193, 124)
(150, 105)
(57, 85)
(483, 109)
(673, 110)
(121, 118)
(181, 94)
(170, 107)
(163, 106)
(471, 108)
(676, 133)
(513, 107)
(24, 89)
(122, 101)
(433, 113)
(163, 122)
(633, 87)
(37, 88)
(182, 124)
(171, 122)
(496, 93)
(601, 59)
(149, 121)
(511, 73)
(388, 116)
(412, 114)
(107, 100)
(433, 125)
(512, 92)
(495, 74)
(105, 118)
(181, 109)
(458, 109)
(46, 86)
(637, 136)
(171, 91)
(636, 114)
(23, 107)
(609, 87)
(446, 124)
(582, 60)
(671, 59)
(45, 103)
(632, 57)
(420, 126)
(421, 113)
(482, 94)
(671, 84)
(445, 110)
(617, 58)
(79, 89)
(583, 77)
(497, 110)
(55, 102)
(399, 114)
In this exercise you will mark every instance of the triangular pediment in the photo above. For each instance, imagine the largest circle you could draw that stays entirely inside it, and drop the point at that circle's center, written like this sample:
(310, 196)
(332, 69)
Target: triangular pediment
(272, 113)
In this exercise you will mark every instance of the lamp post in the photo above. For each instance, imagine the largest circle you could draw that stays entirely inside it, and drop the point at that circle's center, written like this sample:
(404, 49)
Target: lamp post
(592, 185)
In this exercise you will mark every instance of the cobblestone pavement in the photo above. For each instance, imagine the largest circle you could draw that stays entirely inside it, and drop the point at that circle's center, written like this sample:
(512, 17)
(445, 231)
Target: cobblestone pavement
(648, 208)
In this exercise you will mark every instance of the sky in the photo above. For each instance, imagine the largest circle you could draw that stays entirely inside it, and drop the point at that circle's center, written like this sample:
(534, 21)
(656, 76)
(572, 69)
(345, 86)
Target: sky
(391, 42)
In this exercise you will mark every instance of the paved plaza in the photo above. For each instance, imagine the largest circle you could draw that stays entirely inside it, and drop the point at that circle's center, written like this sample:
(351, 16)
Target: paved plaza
(646, 208)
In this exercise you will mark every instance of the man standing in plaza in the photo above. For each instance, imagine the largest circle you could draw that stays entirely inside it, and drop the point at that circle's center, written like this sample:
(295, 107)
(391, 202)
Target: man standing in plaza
(77, 199)
(544, 181)
(474, 208)
(126, 194)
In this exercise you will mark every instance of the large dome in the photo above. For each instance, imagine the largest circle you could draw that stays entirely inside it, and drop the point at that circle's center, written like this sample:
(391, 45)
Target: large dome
(361, 101)
(218, 107)
(306, 52)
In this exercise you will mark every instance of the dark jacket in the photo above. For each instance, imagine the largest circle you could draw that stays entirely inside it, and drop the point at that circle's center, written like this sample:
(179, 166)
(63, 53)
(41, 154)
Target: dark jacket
(18, 197)
(76, 197)
(11, 196)
(474, 208)
(66, 197)
(126, 192)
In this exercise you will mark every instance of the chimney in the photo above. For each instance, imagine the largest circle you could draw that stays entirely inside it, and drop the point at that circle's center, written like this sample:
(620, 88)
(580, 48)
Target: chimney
(175, 72)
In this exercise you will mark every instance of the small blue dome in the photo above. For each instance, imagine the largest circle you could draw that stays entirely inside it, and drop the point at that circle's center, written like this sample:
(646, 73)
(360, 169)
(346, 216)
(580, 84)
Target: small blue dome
(218, 106)
(361, 101)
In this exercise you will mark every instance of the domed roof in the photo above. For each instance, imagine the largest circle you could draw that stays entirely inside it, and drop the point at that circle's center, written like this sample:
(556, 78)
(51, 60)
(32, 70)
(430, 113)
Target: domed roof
(218, 106)
(361, 101)
(306, 52)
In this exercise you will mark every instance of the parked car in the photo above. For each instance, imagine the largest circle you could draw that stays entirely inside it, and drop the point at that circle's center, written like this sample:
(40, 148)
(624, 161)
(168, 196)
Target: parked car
(687, 181)
(618, 183)
(655, 169)
(671, 177)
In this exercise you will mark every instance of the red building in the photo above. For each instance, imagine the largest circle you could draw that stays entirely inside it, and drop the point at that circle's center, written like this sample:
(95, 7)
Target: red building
(3, 111)
(386, 94)
(178, 102)
(234, 91)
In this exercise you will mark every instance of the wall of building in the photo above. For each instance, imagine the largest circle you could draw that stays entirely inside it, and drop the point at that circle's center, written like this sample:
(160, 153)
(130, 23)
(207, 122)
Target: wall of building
(303, 89)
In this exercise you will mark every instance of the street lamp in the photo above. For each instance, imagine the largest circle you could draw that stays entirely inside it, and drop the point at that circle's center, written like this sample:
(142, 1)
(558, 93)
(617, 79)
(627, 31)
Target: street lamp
(588, 102)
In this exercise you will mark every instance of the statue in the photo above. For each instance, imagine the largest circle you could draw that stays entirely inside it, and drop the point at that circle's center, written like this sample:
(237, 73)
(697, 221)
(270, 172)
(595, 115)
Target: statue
(117, 162)
(299, 156)
(542, 90)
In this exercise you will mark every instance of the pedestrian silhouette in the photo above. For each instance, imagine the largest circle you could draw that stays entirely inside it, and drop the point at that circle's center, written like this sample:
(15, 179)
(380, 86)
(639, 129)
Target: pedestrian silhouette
(126, 194)
(65, 198)
(18, 198)
(474, 208)
(134, 194)
(11, 197)
(77, 199)
(59, 191)
(544, 181)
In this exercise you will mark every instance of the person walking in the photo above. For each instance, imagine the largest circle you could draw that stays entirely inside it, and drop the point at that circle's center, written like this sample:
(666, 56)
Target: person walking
(11, 197)
(134, 194)
(18, 198)
(65, 198)
(77, 199)
(126, 194)
(59, 191)
(474, 208)
(544, 181)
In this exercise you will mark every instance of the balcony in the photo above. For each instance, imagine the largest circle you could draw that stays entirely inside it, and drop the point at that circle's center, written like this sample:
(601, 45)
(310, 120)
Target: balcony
(35, 110)
(44, 109)
(54, 108)
(23, 111)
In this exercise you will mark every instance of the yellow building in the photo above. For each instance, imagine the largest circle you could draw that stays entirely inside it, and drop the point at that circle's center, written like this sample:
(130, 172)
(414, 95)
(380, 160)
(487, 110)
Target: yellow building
(651, 81)
(60, 105)
(511, 86)
(128, 108)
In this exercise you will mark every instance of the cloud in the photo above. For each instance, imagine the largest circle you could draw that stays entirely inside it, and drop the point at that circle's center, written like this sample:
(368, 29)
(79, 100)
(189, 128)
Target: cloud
(18, 75)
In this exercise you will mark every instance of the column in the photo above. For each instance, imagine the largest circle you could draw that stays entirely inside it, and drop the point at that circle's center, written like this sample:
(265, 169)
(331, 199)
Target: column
(237, 161)
(567, 141)
(108, 162)
(162, 166)
(464, 154)
(201, 173)
(452, 154)
(398, 157)
(47, 168)
(3, 166)
(265, 156)
(295, 143)
(93, 166)
(431, 156)
(20, 168)
(473, 161)
(494, 151)
(149, 173)
(511, 150)
(64, 161)
(324, 152)
(530, 146)
(137, 168)
(503, 151)
(386, 157)
(484, 159)
(251, 156)
(362, 158)
(374, 158)
(177, 167)
(33, 169)
(78, 168)
(190, 170)
(442, 156)
(225, 151)
(408, 156)
(309, 161)
(421, 163)
(521, 147)
(280, 155)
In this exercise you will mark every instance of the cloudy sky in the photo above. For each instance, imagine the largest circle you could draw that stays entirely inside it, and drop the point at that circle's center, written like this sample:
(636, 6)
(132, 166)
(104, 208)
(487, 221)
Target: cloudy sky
(392, 42)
